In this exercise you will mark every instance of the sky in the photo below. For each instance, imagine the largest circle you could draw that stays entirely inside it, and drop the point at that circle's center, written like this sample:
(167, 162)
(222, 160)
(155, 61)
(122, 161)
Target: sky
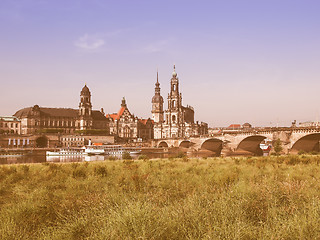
(237, 60)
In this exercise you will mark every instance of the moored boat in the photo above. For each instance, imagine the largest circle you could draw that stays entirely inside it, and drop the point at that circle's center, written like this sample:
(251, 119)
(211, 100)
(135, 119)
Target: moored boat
(66, 152)
(110, 150)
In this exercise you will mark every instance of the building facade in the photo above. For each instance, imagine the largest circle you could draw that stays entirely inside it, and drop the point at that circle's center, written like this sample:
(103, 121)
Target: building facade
(176, 121)
(64, 120)
(10, 125)
(128, 127)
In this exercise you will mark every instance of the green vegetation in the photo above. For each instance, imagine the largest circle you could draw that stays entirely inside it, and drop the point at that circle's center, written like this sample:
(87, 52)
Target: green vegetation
(277, 147)
(126, 156)
(215, 198)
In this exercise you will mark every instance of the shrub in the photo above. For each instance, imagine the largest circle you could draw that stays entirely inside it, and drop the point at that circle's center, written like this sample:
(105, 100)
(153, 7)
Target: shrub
(179, 155)
(100, 171)
(79, 173)
(112, 158)
(126, 156)
(143, 157)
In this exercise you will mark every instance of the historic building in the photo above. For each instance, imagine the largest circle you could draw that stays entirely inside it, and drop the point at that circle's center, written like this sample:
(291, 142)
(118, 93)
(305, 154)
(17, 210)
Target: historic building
(64, 120)
(126, 126)
(9, 125)
(176, 121)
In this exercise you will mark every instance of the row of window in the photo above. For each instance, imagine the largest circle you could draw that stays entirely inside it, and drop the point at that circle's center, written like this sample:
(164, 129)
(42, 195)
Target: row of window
(57, 123)
(12, 125)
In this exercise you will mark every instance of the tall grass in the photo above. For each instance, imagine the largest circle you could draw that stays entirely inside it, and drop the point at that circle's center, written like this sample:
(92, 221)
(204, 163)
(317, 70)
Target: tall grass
(213, 198)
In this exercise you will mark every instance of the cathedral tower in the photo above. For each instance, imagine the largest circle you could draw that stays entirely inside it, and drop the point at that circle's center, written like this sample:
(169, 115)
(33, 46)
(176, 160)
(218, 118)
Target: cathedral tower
(157, 104)
(85, 108)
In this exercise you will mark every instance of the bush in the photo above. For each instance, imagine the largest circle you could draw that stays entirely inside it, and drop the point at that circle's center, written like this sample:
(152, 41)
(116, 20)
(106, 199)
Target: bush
(100, 171)
(143, 157)
(79, 173)
(126, 156)
(112, 158)
(180, 155)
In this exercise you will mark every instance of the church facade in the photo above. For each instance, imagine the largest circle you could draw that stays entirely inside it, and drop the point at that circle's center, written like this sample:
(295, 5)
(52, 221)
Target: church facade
(64, 120)
(177, 121)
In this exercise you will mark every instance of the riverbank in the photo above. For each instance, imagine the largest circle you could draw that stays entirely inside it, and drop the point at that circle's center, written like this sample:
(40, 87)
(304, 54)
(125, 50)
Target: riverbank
(181, 198)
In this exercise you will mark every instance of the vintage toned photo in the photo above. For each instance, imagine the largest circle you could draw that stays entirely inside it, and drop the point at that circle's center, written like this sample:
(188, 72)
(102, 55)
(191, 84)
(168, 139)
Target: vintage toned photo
(144, 119)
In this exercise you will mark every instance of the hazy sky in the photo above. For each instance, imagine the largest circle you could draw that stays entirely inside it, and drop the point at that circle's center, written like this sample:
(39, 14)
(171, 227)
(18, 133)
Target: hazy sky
(238, 60)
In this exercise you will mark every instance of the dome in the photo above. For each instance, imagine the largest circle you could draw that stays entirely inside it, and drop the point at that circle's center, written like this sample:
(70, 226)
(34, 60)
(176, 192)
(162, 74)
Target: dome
(85, 90)
(157, 99)
(174, 74)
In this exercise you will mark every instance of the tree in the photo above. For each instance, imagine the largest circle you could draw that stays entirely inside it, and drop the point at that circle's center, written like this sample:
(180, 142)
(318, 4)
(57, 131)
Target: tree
(277, 147)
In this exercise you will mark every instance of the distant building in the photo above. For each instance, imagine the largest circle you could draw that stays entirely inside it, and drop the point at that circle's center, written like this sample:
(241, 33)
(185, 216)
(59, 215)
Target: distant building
(309, 124)
(64, 120)
(246, 126)
(176, 121)
(10, 125)
(128, 127)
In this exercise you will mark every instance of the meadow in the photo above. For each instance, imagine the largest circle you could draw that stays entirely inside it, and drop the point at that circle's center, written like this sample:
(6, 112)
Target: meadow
(274, 197)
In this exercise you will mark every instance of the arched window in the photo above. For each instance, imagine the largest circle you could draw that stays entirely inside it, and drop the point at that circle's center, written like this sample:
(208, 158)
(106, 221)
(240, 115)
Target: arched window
(173, 87)
(173, 118)
(173, 103)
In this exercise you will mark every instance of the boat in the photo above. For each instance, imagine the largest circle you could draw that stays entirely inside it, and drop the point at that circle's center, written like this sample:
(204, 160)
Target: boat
(110, 150)
(66, 152)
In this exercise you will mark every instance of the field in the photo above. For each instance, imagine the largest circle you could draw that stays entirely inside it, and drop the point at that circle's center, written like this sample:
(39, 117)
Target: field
(181, 198)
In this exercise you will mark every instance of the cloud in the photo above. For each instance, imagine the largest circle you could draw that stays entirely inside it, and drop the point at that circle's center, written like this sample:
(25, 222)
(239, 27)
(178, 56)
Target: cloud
(156, 46)
(89, 43)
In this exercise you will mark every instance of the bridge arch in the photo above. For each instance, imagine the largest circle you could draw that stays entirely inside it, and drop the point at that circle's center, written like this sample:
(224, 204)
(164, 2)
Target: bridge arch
(308, 143)
(185, 144)
(212, 144)
(251, 144)
(163, 144)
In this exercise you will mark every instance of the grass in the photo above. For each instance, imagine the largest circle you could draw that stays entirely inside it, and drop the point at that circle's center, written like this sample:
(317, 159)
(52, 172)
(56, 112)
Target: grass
(213, 198)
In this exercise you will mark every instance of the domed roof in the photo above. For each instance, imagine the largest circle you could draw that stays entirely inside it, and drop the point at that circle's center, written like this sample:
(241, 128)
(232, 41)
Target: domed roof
(157, 99)
(174, 74)
(85, 90)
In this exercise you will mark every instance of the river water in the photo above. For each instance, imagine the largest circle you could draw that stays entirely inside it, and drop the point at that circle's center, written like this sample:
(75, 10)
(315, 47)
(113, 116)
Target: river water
(16, 159)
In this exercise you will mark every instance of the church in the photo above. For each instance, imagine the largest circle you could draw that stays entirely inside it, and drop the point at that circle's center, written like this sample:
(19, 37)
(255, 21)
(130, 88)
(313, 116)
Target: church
(176, 121)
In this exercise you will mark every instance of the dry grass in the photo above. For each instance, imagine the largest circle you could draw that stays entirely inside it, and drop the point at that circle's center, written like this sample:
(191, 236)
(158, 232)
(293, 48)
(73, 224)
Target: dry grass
(214, 198)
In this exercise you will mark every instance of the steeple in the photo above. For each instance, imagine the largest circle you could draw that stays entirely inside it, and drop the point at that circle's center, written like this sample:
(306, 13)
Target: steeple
(157, 103)
(85, 108)
(157, 88)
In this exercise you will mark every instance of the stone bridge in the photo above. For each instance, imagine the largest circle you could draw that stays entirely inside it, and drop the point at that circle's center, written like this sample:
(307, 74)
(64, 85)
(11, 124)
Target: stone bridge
(247, 142)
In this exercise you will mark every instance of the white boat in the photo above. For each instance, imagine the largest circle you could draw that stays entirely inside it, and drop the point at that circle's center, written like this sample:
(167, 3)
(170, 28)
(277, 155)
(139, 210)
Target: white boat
(110, 150)
(66, 152)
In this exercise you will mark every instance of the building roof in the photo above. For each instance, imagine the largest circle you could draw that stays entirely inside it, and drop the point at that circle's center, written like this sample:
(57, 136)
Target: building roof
(57, 112)
(9, 118)
(54, 112)
(116, 116)
(234, 126)
(99, 116)
(144, 121)
(85, 90)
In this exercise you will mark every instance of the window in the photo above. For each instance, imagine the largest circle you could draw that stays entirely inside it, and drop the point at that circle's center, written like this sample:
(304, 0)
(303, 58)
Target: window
(174, 118)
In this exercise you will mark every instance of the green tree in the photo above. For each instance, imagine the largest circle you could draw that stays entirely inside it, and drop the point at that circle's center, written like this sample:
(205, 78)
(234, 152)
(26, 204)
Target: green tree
(278, 147)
